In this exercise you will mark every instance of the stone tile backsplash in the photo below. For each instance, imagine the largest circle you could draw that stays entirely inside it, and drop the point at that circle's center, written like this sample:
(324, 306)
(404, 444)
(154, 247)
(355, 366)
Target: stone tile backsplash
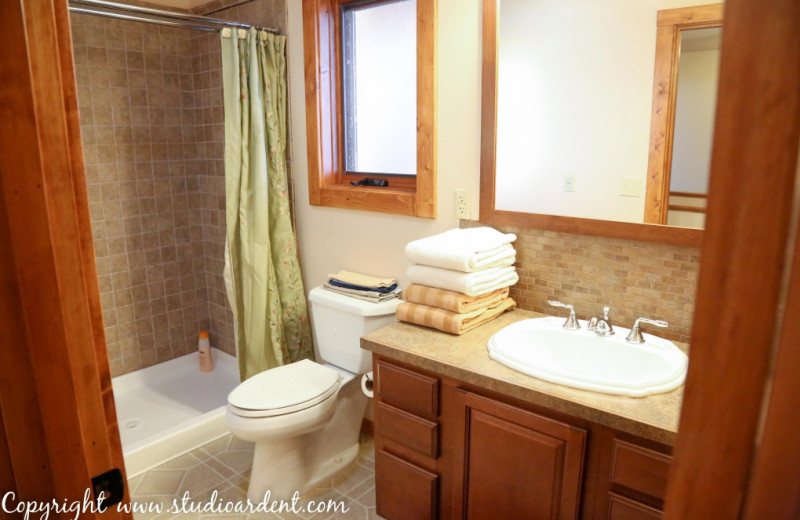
(635, 279)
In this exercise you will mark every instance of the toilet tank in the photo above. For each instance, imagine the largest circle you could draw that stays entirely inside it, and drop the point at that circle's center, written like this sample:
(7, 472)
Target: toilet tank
(340, 321)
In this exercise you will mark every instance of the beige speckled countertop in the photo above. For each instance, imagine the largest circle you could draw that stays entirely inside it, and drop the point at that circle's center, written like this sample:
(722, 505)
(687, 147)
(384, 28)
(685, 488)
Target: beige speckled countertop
(466, 359)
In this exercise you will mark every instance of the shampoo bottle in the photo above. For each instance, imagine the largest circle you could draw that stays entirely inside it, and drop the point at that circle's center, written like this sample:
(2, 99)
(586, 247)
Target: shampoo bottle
(204, 352)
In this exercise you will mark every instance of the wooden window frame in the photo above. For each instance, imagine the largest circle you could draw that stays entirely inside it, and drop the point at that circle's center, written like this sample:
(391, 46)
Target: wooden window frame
(329, 185)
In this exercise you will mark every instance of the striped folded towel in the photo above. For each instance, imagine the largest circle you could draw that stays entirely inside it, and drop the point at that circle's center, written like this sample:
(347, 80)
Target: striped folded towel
(450, 300)
(465, 250)
(471, 284)
(451, 322)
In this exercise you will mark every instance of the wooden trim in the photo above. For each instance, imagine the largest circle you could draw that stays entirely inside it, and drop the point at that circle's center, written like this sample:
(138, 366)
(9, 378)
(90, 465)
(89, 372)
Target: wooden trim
(83, 216)
(662, 116)
(23, 430)
(665, 93)
(328, 184)
(583, 226)
(688, 194)
(427, 91)
(691, 16)
(320, 88)
(774, 490)
(51, 260)
(689, 209)
(489, 214)
(491, 22)
(384, 200)
(753, 179)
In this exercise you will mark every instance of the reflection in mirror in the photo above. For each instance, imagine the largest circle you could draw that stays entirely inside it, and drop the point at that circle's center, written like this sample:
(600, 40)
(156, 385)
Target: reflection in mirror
(574, 92)
(694, 126)
(682, 119)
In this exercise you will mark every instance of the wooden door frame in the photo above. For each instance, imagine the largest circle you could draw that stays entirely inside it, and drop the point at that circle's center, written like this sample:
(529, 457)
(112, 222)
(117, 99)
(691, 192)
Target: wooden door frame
(736, 333)
(57, 406)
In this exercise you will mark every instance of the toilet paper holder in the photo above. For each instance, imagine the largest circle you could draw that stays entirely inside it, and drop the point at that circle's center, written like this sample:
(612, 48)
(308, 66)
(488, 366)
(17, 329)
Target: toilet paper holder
(367, 384)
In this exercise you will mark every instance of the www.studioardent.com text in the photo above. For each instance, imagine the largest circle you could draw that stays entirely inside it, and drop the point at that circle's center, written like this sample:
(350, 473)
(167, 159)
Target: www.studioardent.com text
(41, 510)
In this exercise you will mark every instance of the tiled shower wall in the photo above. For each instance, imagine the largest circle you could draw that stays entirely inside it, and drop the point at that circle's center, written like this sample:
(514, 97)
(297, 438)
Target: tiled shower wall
(635, 279)
(150, 101)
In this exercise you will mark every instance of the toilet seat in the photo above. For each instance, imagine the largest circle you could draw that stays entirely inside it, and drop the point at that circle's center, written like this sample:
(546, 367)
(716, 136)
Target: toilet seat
(284, 390)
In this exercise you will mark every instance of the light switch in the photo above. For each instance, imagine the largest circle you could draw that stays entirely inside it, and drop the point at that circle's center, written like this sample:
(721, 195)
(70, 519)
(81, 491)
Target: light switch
(569, 182)
(630, 187)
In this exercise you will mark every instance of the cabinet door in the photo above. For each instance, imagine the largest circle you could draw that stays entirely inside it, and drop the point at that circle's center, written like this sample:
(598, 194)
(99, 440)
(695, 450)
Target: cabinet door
(517, 464)
(621, 508)
(403, 490)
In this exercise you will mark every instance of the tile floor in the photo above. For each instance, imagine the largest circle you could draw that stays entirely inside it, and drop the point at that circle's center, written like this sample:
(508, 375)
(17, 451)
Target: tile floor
(224, 466)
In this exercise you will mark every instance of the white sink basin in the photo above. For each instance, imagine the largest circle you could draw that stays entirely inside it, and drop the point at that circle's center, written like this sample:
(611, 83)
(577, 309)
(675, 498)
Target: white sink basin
(542, 348)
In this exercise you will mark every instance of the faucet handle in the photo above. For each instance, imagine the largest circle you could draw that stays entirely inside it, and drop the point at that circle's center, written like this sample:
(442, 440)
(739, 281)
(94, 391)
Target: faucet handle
(635, 335)
(605, 312)
(572, 321)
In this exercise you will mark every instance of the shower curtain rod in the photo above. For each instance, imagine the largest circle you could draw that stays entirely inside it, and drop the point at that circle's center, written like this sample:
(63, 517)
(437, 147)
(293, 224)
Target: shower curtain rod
(178, 19)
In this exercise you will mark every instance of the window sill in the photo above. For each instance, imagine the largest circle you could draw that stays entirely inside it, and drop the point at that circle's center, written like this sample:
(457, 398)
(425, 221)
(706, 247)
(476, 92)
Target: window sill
(398, 201)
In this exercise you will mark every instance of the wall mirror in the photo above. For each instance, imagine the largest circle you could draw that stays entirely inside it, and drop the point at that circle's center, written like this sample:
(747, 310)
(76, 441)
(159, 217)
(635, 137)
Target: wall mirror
(579, 126)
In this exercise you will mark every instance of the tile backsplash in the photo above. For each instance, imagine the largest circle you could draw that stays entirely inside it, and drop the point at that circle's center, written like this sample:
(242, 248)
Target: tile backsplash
(636, 279)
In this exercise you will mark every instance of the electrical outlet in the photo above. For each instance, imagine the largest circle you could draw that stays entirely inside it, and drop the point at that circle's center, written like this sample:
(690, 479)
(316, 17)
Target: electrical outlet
(569, 182)
(463, 207)
(630, 186)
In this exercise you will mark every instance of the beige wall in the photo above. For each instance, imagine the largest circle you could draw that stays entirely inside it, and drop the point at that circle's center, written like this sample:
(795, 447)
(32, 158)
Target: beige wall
(332, 239)
(635, 278)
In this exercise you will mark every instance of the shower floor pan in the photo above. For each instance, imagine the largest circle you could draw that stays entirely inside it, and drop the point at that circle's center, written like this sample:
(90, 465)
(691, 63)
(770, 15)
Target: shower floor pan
(171, 408)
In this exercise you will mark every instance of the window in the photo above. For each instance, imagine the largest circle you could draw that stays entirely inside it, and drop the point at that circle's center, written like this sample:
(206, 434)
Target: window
(370, 92)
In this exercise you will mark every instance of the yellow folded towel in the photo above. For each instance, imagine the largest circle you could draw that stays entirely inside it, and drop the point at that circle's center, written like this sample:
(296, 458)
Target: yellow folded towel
(362, 279)
(452, 301)
(447, 321)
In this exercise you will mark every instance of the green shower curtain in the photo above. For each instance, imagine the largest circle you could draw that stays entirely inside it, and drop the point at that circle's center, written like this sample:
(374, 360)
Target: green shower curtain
(262, 272)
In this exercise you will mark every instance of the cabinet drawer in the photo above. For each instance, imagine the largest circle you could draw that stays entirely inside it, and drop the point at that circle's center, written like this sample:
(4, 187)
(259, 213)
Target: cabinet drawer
(403, 490)
(408, 390)
(407, 429)
(620, 508)
(639, 469)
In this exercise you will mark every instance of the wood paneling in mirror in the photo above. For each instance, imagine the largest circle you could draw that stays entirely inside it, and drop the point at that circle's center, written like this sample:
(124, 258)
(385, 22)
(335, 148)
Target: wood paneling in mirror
(490, 215)
(665, 94)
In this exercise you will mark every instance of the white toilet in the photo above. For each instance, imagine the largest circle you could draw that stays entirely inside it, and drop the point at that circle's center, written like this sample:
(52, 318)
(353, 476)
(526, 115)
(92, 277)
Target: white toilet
(305, 418)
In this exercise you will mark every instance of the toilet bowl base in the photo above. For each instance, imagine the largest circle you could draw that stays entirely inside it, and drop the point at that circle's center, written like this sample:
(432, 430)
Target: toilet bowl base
(284, 468)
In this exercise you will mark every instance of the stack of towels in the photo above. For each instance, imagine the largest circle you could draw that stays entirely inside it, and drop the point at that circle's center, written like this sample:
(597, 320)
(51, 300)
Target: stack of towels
(363, 287)
(460, 279)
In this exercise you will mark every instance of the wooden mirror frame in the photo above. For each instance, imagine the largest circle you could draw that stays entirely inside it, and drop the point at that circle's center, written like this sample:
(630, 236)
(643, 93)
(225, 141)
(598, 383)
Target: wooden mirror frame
(489, 214)
(665, 96)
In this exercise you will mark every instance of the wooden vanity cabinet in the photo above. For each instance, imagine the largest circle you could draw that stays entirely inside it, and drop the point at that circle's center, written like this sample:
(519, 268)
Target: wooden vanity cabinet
(515, 463)
(406, 410)
(632, 478)
(444, 450)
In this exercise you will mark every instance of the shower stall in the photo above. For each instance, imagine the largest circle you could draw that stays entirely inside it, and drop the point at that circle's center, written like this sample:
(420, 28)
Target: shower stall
(152, 125)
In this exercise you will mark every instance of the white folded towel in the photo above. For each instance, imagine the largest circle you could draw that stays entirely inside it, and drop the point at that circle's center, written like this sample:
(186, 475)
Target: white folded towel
(471, 284)
(466, 250)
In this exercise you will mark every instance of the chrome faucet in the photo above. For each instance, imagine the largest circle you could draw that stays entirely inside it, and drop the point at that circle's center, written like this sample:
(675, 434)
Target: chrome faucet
(602, 326)
(635, 335)
(572, 322)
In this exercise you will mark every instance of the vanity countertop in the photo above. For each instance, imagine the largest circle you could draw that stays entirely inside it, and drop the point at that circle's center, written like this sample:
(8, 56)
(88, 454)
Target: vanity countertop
(466, 359)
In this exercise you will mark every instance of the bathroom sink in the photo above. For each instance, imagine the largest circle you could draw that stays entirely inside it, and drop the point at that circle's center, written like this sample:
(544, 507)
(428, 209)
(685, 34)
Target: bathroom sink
(542, 348)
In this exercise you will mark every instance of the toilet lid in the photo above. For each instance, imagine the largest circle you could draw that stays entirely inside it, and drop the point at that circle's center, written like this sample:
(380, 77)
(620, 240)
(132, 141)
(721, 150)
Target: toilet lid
(286, 388)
